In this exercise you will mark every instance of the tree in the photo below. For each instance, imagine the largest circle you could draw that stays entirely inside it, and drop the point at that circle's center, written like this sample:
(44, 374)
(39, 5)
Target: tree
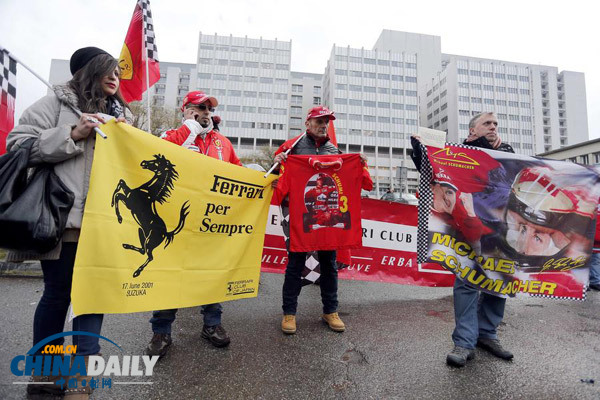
(264, 157)
(163, 118)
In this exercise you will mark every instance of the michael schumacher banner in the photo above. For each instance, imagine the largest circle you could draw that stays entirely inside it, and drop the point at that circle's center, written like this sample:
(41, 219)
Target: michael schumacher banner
(388, 252)
(508, 224)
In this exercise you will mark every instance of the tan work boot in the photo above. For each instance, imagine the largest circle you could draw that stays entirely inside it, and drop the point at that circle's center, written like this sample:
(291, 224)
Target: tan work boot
(334, 322)
(288, 324)
(79, 392)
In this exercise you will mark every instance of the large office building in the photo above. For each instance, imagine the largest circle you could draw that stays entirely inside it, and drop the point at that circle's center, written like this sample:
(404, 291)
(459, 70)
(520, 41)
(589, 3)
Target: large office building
(380, 95)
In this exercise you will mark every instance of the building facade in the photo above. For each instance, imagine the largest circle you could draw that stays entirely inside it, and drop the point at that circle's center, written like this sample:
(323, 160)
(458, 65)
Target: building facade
(381, 96)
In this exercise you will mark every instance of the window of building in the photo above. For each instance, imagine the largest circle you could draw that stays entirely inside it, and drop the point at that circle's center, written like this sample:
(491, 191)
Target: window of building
(316, 89)
(341, 72)
(278, 127)
(341, 86)
(264, 110)
(355, 88)
(297, 88)
(411, 107)
(339, 57)
(464, 112)
(232, 124)
(462, 71)
(234, 108)
(382, 104)
(499, 75)
(399, 121)
(369, 103)
(488, 101)
(370, 118)
(263, 125)
(294, 110)
(235, 78)
(369, 89)
(410, 79)
(397, 78)
(296, 99)
(279, 111)
(265, 95)
(397, 106)
(463, 98)
(236, 63)
(354, 102)
(384, 120)
(248, 109)
(235, 93)
(204, 75)
(411, 65)
(252, 79)
(246, 124)
(383, 62)
(383, 90)
(512, 90)
(476, 100)
(282, 67)
(264, 79)
(513, 104)
(399, 92)
(317, 101)
(525, 105)
(524, 78)
(355, 73)
(339, 100)
(487, 74)
(370, 75)
(500, 102)
(354, 117)
(383, 76)
(411, 93)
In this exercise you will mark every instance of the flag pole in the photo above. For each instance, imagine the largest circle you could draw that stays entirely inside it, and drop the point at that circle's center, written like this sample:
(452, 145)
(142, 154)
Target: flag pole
(148, 94)
(286, 152)
(51, 88)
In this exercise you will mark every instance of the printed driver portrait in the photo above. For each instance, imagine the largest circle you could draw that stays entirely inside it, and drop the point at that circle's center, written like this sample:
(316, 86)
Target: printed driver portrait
(547, 216)
(452, 210)
(322, 205)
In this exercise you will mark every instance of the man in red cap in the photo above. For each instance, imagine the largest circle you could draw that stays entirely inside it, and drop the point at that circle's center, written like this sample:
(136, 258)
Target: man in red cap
(315, 141)
(198, 134)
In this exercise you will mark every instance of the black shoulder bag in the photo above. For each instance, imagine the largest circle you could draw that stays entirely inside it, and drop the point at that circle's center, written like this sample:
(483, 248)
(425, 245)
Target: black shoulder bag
(33, 210)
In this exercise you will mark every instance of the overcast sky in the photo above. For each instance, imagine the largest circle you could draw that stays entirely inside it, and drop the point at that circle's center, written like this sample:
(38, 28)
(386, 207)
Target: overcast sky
(561, 34)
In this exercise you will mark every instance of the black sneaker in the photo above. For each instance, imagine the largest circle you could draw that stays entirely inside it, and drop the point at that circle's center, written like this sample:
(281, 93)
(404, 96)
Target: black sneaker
(216, 335)
(159, 344)
(459, 355)
(595, 286)
(494, 347)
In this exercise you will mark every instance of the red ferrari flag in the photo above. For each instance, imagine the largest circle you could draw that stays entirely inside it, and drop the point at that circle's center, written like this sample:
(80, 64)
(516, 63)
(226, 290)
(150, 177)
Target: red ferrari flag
(8, 93)
(331, 133)
(324, 195)
(139, 47)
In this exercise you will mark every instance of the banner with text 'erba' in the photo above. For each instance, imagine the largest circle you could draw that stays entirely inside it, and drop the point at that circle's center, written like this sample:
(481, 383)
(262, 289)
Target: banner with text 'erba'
(508, 224)
(165, 227)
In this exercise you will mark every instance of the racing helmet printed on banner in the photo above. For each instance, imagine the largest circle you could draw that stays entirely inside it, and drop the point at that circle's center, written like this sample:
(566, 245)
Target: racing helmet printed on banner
(544, 211)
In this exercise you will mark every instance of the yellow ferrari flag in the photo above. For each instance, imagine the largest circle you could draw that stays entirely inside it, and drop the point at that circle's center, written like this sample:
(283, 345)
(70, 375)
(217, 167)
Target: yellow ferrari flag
(165, 227)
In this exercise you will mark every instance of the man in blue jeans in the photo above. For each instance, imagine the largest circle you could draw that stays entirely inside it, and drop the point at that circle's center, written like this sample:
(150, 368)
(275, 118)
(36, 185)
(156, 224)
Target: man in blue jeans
(198, 134)
(477, 315)
(316, 141)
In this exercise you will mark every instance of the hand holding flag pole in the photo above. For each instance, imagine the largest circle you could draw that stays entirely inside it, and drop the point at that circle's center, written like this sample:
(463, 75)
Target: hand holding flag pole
(50, 87)
(286, 153)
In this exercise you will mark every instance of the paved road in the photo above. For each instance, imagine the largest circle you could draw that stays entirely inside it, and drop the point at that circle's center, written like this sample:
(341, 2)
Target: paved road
(395, 347)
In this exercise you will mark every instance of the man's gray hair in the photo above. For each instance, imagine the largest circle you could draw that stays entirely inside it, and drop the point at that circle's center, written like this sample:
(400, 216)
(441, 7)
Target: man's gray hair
(475, 118)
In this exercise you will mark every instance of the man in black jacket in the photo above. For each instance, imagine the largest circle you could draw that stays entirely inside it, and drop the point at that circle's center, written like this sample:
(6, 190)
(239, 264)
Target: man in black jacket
(477, 315)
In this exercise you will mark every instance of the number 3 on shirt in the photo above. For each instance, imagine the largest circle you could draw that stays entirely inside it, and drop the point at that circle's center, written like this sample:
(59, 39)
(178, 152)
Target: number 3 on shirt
(344, 206)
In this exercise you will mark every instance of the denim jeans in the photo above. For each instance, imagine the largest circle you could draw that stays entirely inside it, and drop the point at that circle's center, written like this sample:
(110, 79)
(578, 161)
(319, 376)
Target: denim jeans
(292, 284)
(52, 309)
(162, 320)
(595, 269)
(477, 315)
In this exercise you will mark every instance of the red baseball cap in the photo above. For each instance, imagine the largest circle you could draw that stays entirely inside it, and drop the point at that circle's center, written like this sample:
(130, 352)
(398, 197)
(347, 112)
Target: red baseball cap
(320, 111)
(198, 97)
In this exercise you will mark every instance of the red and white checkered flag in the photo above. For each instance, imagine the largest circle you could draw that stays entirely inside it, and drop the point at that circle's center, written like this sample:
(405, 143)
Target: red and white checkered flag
(8, 94)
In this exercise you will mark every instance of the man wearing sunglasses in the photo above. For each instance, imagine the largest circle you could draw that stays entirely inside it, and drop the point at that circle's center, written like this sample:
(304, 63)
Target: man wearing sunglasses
(198, 134)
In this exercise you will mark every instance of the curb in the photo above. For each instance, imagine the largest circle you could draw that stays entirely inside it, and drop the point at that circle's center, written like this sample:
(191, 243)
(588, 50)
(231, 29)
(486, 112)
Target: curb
(29, 269)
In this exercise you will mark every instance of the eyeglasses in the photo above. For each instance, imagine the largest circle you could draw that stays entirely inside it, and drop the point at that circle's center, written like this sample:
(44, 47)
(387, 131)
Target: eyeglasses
(203, 107)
